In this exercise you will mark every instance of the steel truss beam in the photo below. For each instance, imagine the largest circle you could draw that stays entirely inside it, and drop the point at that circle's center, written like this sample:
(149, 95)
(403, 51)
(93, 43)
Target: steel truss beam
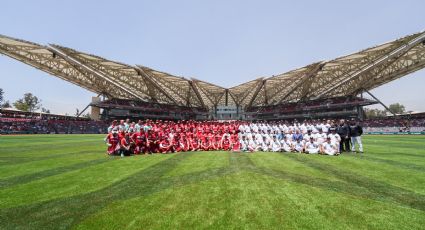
(344, 76)
(379, 61)
(157, 86)
(90, 71)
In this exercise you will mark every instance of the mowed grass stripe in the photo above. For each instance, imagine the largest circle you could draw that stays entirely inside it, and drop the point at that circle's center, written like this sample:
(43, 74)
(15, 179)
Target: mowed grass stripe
(275, 162)
(394, 163)
(355, 165)
(39, 150)
(26, 178)
(69, 211)
(16, 141)
(79, 181)
(392, 138)
(12, 160)
(366, 186)
(30, 167)
(245, 199)
(216, 190)
(196, 163)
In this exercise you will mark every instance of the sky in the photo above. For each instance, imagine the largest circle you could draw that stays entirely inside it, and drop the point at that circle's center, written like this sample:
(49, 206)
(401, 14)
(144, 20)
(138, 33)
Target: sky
(222, 42)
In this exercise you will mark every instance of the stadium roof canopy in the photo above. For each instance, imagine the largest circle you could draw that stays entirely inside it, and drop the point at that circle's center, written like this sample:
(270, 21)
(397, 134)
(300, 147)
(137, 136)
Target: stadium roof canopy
(344, 76)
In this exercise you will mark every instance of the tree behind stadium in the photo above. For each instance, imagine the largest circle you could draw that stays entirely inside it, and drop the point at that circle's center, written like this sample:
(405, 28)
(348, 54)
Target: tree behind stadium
(29, 103)
(397, 108)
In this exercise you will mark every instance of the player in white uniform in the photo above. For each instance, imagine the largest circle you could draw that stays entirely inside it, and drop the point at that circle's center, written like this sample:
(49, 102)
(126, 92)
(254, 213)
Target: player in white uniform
(265, 145)
(312, 147)
(244, 144)
(326, 126)
(329, 149)
(308, 135)
(298, 146)
(252, 146)
(321, 137)
(335, 138)
(275, 145)
(285, 144)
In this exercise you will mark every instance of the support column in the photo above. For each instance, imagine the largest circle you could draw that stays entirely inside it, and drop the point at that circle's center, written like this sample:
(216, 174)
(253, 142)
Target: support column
(380, 102)
(95, 111)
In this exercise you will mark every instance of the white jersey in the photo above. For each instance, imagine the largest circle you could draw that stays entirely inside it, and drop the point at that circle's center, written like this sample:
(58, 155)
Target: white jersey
(275, 146)
(286, 145)
(325, 128)
(137, 127)
(265, 147)
(252, 145)
(288, 136)
(254, 128)
(329, 148)
(259, 142)
(258, 137)
(248, 136)
(321, 137)
(307, 136)
(335, 138)
(298, 146)
(312, 147)
(244, 145)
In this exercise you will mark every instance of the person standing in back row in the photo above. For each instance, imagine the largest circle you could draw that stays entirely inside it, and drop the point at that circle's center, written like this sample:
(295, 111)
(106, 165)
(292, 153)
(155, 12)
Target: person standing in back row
(356, 132)
(344, 132)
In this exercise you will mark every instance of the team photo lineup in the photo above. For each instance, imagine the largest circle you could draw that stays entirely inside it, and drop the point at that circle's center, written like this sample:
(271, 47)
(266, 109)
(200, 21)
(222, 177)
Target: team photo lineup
(212, 115)
(311, 137)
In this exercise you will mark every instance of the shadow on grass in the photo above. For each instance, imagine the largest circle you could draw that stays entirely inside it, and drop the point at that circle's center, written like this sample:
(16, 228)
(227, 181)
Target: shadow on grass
(69, 211)
(356, 185)
(13, 181)
(401, 154)
(21, 160)
(393, 163)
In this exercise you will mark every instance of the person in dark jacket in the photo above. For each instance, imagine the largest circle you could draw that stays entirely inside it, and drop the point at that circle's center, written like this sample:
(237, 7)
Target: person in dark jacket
(344, 132)
(356, 132)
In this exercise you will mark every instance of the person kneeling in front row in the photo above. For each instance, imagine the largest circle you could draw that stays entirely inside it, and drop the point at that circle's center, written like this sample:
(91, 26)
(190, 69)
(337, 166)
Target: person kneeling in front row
(329, 148)
(312, 147)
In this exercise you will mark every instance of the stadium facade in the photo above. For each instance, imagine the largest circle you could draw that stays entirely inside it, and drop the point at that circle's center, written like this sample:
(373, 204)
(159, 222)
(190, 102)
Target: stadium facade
(323, 89)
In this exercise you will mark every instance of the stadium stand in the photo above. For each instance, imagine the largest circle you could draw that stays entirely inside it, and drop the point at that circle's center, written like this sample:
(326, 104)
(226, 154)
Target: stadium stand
(19, 122)
(404, 123)
(122, 109)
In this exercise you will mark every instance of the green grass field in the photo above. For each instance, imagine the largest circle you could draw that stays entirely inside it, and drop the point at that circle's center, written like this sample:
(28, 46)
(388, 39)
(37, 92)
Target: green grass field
(66, 181)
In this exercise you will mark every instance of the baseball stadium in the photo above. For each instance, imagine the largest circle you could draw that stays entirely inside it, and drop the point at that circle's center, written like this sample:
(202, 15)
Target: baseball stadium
(294, 150)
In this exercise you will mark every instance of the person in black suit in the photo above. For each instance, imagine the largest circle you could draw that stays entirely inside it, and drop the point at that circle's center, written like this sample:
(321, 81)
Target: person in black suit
(344, 132)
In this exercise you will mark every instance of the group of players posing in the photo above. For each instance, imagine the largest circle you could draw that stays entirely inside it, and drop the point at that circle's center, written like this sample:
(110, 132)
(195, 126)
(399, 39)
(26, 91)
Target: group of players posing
(316, 142)
(168, 137)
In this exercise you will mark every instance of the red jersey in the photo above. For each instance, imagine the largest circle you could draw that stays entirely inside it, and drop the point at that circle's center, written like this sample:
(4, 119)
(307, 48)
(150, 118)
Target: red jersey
(113, 143)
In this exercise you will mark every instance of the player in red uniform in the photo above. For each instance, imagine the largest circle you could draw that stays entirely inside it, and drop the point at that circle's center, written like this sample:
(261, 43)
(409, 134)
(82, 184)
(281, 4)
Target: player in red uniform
(206, 144)
(184, 144)
(125, 146)
(164, 146)
(152, 142)
(225, 143)
(194, 144)
(139, 141)
(235, 143)
(215, 143)
(176, 144)
(113, 142)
